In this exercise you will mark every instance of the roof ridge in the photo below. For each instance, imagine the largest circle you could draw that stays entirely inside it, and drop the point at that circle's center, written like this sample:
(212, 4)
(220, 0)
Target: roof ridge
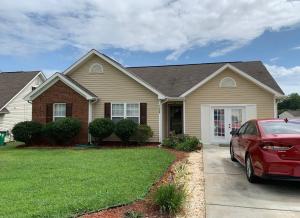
(21, 71)
(170, 65)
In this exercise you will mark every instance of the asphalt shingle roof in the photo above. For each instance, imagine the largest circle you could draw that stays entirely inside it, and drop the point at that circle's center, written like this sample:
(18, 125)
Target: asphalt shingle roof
(174, 80)
(13, 82)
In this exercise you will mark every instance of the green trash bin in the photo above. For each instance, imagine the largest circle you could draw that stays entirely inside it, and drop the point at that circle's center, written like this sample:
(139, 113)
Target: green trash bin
(2, 137)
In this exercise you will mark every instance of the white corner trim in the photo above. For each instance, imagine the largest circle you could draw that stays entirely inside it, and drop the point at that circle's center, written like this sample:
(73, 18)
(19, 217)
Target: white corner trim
(184, 117)
(160, 120)
(123, 70)
(52, 80)
(26, 86)
(233, 68)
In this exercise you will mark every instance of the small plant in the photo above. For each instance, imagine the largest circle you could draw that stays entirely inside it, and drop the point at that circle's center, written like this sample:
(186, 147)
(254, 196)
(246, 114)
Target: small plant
(125, 129)
(143, 133)
(169, 198)
(27, 131)
(189, 144)
(101, 128)
(63, 130)
(133, 214)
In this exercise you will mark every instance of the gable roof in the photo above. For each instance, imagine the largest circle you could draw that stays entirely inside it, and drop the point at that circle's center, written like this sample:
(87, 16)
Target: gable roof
(176, 80)
(66, 80)
(11, 83)
(116, 65)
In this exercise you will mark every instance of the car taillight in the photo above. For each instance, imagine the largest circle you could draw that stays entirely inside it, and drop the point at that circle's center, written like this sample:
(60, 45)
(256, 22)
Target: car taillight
(270, 146)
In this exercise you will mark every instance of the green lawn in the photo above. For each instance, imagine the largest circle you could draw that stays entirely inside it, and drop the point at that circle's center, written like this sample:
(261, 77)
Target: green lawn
(66, 182)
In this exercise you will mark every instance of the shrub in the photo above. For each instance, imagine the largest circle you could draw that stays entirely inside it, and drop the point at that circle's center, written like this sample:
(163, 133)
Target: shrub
(189, 144)
(133, 214)
(27, 131)
(169, 198)
(63, 130)
(143, 133)
(101, 128)
(125, 129)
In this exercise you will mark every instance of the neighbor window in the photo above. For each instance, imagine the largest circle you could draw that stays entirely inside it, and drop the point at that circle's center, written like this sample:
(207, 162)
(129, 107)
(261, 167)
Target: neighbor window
(59, 111)
(121, 111)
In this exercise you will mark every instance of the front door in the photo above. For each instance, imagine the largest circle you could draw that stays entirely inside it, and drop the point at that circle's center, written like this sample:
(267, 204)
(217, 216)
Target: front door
(175, 119)
(224, 120)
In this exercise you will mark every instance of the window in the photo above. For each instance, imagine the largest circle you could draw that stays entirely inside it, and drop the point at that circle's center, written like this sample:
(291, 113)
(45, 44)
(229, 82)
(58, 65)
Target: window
(59, 111)
(243, 129)
(121, 111)
(96, 68)
(251, 129)
(227, 82)
(281, 127)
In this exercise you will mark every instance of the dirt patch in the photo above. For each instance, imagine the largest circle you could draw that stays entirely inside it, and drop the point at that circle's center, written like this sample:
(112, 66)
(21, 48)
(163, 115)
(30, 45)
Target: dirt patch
(144, 206)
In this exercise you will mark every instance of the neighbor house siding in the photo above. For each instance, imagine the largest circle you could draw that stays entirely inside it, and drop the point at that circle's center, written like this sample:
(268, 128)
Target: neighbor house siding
(114, 86)
(19, 109)
(61, 93)
(246, 92)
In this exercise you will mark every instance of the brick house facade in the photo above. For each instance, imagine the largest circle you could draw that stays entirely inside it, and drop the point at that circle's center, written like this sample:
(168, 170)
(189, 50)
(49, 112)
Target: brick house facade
(61, 93)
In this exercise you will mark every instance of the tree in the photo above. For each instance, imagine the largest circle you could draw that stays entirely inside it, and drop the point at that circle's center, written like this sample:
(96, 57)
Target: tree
(292, 102)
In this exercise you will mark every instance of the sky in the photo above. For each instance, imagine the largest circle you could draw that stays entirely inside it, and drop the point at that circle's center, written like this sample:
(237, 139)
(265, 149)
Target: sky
(51, 35)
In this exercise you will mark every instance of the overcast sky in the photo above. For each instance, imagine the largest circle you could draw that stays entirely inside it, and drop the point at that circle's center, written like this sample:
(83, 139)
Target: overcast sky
(50, 35)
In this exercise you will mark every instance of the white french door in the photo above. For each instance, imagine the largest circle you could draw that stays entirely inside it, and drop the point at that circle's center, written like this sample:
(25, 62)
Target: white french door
(224, 120)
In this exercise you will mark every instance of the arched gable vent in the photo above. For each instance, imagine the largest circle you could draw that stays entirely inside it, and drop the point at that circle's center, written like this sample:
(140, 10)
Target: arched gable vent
(96, 68)
(227, 82)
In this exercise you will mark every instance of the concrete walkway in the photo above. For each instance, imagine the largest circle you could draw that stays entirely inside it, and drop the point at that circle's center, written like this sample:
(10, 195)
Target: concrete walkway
(229, 194)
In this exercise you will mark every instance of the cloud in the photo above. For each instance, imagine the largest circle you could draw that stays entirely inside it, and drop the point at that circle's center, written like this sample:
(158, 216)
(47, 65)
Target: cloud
(296, 48)
(288, 78)
(35, 26)
(50, 72)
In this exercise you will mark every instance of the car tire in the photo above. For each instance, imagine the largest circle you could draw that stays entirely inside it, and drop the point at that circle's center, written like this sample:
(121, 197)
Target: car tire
(249, 170)
(232, 154)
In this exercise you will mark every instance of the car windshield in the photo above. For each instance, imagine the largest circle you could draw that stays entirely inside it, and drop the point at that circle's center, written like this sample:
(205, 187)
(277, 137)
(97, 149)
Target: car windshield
(290, 127)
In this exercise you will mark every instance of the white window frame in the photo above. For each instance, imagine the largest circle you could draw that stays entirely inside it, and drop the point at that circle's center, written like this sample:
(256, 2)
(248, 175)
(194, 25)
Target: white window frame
(53, 111)
(125, 110)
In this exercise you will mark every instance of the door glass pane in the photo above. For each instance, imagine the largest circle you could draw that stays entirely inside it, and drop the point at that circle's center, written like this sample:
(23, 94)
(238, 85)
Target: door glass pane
(236, 118)
(219, 122)
(176, 119)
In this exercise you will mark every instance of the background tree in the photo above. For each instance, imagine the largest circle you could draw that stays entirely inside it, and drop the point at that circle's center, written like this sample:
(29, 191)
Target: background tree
(292, 102)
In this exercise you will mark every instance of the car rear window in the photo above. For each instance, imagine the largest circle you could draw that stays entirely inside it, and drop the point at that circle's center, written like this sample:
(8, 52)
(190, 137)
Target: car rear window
(290, 127)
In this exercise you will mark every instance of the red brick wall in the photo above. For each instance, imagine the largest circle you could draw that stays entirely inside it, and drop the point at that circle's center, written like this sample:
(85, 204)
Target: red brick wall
(61, 93)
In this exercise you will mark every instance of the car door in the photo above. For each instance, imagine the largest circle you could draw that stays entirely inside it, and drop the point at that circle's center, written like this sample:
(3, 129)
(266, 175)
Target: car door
(238, 139)
(249, 138)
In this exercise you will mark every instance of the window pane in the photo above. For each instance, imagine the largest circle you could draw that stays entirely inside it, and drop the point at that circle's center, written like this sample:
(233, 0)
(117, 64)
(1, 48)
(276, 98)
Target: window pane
(135, 119)
(116, 119)
(118, 110)
(59, 110)
(132, 110)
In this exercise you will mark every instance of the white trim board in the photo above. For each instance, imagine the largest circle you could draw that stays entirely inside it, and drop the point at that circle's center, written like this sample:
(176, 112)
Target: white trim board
(233, 68)
(51, 81)
(40, 74)
(119, 67)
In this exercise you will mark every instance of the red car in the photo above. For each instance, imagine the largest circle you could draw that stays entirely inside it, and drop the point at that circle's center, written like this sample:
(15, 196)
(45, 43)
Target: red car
(268, 148)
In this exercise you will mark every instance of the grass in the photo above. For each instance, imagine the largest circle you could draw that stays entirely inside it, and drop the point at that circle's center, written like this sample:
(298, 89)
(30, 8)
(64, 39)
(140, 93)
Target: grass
(68, 182)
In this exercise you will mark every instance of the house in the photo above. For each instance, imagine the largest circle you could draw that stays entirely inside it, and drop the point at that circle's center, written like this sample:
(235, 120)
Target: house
(290, 114)
(203, 100)
(14, 86)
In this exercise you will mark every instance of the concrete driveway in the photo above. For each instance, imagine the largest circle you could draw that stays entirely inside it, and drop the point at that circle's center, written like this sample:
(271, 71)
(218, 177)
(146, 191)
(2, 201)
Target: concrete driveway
(229, 194)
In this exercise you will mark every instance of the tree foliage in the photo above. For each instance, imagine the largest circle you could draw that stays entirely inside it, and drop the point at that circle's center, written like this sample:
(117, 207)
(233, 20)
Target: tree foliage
(292, 102)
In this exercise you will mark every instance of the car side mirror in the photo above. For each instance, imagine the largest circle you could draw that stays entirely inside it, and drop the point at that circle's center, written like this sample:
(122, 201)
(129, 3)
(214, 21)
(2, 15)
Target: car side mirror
(234, 132)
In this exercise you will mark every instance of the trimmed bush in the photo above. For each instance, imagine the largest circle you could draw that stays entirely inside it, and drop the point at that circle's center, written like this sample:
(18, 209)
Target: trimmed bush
(189, 144)
(169, 198)
(27, 131)
(125, 129)
(101, 128)
(63, 130)
(143, 133)
(169, 142)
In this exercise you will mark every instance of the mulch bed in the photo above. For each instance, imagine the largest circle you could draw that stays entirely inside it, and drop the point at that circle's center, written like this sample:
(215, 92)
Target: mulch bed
(144, 206)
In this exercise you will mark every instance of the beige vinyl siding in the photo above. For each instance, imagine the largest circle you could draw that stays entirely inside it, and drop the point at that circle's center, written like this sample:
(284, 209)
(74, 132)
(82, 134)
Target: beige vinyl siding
(246, 92)
(114, 86)
(19, 109)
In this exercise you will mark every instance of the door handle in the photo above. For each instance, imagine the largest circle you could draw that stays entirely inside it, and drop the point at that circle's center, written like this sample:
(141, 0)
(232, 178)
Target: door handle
(229, 126)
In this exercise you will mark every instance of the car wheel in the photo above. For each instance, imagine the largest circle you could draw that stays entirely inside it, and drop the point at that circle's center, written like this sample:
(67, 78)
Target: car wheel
(249, 170)
(232, 154)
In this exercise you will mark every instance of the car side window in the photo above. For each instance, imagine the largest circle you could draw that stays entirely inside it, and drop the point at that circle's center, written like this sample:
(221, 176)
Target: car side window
(243, 129)
(251, 129)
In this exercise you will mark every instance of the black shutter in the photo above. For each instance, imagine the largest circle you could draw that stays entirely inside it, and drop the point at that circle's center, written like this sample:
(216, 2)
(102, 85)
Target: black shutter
(49, 113)
(69, 110)
(107, 110)
(143, 113)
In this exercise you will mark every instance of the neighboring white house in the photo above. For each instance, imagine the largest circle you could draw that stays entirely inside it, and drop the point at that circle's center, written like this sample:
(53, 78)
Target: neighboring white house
(290, 114)
(13, 87)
